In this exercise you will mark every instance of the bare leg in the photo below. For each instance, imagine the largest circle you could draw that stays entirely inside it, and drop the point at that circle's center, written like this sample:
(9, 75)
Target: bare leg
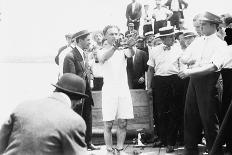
(121, 133)
(108, 134)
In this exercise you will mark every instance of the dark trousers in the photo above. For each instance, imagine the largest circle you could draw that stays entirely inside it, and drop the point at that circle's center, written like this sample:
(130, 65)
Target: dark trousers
(175, 19)
(98, 83)
(85, 111)
(227, 90)
(185, 83)
(158, 25)
(168, 97)
(226, 101)
(147, 28)
(201, 108)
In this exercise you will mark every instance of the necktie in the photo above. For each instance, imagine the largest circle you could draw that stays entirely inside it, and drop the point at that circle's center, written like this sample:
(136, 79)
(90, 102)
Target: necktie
(88, 70)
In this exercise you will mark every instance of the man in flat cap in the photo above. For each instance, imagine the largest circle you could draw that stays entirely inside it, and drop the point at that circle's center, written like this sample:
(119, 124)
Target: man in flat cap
(131, 31)
(76, 62)
(202, 104)
(48, 126)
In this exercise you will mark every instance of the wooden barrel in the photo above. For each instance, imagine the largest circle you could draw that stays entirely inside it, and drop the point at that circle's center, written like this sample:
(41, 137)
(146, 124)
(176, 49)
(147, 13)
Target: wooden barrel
(143, 113)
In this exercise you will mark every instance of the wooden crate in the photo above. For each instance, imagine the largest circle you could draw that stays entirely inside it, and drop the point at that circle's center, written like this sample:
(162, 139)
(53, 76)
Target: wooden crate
(143, 113)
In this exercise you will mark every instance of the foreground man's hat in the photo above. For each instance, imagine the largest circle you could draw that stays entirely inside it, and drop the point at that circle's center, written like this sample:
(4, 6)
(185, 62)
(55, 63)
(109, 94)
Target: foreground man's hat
(210, 17)
(80, 33)
(73, 84)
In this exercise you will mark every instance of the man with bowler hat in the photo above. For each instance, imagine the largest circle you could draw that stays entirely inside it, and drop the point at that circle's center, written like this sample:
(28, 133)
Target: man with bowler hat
(48, 126)
(76, 62)
(202, 104)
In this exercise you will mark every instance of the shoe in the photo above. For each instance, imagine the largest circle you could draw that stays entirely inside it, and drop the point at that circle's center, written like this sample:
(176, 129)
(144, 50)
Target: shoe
(91, 147)
(158, 144)
(120, 152)
(170, 149)
(110, 151)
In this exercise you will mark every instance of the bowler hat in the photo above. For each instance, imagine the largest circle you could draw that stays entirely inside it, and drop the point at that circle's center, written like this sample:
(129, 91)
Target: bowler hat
(72, 84)
(80, 33)
(210, 17)
(166, 31)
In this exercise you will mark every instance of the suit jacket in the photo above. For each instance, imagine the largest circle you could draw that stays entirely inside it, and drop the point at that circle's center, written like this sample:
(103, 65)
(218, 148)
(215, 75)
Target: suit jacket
(137, 69)
(137, 12)
(74, 63)
(44, 127)
(181, 2)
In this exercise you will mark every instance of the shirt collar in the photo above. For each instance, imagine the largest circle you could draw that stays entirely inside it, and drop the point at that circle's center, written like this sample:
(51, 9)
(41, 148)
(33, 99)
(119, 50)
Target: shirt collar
(210, 36)
(63, 98)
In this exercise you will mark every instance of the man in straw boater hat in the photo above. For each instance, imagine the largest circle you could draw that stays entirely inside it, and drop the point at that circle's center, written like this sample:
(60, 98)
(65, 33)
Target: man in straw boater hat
(202, 104)
(76, 62)
(167, 87)
(48, 126)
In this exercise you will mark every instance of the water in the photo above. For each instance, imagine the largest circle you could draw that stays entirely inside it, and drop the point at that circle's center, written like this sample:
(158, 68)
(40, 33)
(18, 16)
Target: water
(24, 81)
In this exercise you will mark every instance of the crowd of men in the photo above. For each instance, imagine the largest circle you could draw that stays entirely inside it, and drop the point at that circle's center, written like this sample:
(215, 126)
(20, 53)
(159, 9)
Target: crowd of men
(184, 71)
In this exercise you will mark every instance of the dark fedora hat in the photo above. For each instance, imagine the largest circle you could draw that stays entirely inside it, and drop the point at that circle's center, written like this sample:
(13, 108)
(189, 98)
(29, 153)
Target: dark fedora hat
(72, 84)
(210, 17)
(80, 33)
(166, 31)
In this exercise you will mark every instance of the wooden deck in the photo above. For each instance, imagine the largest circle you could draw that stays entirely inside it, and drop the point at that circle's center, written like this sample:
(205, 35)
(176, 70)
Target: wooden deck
(143, 114)
(132, 150)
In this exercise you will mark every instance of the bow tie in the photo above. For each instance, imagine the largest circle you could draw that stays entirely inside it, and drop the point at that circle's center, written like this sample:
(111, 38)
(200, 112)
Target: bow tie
(167, 48)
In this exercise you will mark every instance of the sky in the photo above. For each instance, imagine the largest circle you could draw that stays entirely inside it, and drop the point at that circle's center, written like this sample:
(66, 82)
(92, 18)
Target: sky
(37, 27)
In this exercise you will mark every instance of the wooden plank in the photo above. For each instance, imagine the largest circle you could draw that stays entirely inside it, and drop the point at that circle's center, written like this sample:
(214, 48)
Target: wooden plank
(143, 113)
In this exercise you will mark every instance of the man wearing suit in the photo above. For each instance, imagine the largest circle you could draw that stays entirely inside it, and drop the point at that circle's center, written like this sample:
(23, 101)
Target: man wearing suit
(76, 62)
(176, 7)
(136, 68)
(48, 126)
(134, 13)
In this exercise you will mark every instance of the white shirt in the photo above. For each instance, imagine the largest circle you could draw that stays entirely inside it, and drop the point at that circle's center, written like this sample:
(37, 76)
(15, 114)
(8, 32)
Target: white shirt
(133, 7)
(96, 67)
(147, 17)
(166, 62)
(114, 73)
(206, 50)
(161, 14)
(175, 5)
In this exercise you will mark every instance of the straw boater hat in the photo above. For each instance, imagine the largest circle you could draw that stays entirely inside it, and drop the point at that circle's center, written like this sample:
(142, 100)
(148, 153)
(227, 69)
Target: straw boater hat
(149, 33)
(72, 84)
(166, 31)
(189, 34)
(210, 17)
(131, 24)
(80, 33)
